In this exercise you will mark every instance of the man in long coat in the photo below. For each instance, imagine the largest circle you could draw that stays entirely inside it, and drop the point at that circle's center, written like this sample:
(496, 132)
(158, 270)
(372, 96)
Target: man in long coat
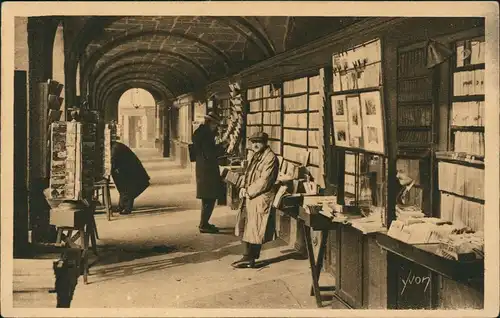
(129, 175)
(209, 184)
(259, 190)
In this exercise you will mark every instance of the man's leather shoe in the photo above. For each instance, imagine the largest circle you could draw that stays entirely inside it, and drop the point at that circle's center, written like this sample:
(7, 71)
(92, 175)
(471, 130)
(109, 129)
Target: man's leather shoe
(245, 262)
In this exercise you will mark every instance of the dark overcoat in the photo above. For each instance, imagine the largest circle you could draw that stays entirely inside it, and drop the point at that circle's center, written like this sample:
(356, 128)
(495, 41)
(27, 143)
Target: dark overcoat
(208, 179)
(128, 173)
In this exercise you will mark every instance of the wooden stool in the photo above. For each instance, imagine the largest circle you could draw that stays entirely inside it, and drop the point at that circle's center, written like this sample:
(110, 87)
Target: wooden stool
(85, 228)
(104, 186)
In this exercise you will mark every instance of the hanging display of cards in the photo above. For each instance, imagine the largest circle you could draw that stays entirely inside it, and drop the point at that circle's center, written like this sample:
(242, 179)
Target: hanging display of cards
(357, 108)
(234, 129)
(109, 138)
(72, 160)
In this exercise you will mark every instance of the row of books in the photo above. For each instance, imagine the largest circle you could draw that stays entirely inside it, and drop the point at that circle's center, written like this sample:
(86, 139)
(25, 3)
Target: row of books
(468, 113)
(314, 157)
(350, 163)
(255, 106)
(298, 137)
(315, 139)
(422, 230)
(275, 146)
(296, 103)
(273, 131)
(469, 142)
(463, 247)
(315, 102)
(272, 104)
(270, 91)
(315, 84)
(295, 120)
(470, 52)
(271, 118)
(288, 168)
(252, 130)
(413, 63)
(461, 180)
(468, 83)
(298, 85)
(364, 77)
(254, 119)
(416, 89)
(413, 136)
(295, 154)
(255, 93)
(462, 212)
(410, 167)
(315, 173)
(315, 121)
(415, 115)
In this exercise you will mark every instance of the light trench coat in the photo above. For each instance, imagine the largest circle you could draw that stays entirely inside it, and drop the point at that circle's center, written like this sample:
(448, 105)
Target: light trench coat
(260, 179)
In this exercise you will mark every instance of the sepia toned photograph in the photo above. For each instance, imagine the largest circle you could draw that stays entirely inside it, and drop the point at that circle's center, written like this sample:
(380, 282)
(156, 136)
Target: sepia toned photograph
(230, 159)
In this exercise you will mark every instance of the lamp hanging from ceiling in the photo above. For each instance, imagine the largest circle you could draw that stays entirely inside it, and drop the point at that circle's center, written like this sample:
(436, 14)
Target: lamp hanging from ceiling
(437, 53)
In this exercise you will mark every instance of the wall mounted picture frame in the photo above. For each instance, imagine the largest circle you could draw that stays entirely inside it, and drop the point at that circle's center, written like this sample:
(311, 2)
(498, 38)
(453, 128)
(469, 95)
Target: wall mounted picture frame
(355, 121)
(339, 108)
(373, 123)
(341, 131)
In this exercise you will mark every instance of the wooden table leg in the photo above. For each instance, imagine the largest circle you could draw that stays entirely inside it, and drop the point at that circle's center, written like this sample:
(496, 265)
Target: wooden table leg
(312, 262)
(84, 242)
(107, 200)
(321, 256)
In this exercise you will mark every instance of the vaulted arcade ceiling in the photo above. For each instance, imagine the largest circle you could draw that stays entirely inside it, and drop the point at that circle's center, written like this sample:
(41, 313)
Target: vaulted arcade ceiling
(180, 54)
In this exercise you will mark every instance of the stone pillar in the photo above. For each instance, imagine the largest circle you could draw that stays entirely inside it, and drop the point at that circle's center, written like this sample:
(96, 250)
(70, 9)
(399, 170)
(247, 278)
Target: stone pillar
(41, 32)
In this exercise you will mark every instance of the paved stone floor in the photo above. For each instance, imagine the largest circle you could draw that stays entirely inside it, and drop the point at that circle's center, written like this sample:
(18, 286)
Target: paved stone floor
(157, 258)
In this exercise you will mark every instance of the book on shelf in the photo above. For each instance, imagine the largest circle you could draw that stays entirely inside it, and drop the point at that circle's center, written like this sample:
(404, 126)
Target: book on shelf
(295, 154)
(468, 113)
(296, 103)
(298, 137)
(254, 93)
(254, 119)
(413, 63)
(315, 102)
(468, 83)
(272, 104)
(273, 132)
(275, 146)
(469, 142)
(462, 212)
(461, 180)
(314, 121)
(271, 118)
(295, 120)
(314, 140)
(411, 136)
(415, 89)
(420, 115)
(314, 84)
(314, 157)
(295, 86)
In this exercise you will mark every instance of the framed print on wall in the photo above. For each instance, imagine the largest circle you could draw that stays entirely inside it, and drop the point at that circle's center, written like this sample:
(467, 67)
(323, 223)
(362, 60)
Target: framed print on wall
(339, 110)
(355, 122)
(373, 122)
(341, 134)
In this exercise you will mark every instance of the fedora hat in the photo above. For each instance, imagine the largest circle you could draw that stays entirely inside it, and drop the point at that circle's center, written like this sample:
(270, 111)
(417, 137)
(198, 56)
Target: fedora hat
(213, 117)
(259, 136)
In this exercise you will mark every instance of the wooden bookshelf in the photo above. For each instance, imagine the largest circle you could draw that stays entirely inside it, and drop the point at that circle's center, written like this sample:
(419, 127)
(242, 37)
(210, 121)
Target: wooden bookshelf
(415, 101)
(264, 114)
(461, 169)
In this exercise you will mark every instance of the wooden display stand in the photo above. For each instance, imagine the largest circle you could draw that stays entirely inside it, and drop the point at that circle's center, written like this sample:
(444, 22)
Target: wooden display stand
(102, 188)
(83, 223)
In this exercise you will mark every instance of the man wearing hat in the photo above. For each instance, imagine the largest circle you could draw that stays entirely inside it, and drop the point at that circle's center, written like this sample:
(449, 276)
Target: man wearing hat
(208, 179)
(259, 189)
